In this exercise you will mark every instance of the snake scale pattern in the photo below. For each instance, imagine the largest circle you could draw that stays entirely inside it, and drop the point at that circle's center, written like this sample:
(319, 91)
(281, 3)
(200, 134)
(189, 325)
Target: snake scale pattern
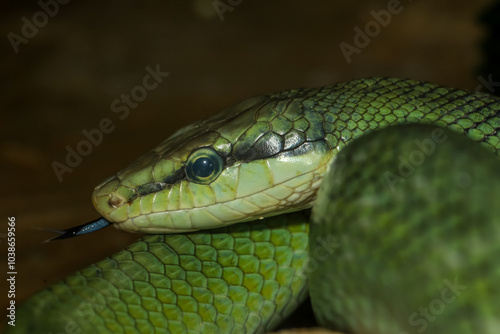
(266, 157)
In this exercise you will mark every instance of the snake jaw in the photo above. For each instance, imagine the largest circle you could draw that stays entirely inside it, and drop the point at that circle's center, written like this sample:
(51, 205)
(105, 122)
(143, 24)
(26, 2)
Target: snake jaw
(243, 192)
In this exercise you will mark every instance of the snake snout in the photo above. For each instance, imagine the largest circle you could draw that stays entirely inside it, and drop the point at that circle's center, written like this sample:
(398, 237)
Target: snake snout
(112, 199)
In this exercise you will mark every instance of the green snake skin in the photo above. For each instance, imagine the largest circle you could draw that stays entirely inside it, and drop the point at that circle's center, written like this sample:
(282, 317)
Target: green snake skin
(395, 272)
(238, 279)
(246, 277)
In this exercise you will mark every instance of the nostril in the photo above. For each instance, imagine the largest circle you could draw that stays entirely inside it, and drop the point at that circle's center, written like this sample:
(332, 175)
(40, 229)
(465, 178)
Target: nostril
(116, 201)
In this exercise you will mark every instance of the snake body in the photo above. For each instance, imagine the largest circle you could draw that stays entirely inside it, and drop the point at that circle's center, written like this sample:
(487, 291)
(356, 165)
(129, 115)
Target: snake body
(264, 157)
(416, 251)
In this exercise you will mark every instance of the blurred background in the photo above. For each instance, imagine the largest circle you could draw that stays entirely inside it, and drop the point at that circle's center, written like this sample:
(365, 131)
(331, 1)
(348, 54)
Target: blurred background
(62, 70)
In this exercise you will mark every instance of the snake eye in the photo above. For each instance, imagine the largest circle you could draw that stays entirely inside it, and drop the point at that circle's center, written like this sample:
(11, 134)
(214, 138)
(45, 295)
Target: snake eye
(203, 166)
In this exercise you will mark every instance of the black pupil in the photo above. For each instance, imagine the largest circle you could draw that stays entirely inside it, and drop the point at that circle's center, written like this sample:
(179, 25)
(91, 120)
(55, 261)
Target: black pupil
(203, 167)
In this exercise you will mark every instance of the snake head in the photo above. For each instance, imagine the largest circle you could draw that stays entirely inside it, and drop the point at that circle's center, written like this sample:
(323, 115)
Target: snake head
(255, 159)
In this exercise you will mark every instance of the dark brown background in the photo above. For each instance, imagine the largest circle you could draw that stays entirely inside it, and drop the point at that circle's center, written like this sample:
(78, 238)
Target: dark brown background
(65, 78)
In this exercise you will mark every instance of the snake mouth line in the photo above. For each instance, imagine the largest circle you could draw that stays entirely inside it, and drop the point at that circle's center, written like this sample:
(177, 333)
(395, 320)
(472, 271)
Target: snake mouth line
(224, 213)
(138, 197)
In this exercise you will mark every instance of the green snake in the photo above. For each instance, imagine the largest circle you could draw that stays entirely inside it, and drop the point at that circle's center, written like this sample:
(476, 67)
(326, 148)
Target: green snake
(404, 221)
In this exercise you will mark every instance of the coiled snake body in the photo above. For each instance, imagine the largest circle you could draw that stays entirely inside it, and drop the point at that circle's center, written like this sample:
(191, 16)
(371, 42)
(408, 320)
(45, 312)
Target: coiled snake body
(405, 239)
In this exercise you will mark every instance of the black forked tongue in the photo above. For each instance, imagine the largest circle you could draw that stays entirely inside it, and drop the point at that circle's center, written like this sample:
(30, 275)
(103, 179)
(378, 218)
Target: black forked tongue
(76, 231)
